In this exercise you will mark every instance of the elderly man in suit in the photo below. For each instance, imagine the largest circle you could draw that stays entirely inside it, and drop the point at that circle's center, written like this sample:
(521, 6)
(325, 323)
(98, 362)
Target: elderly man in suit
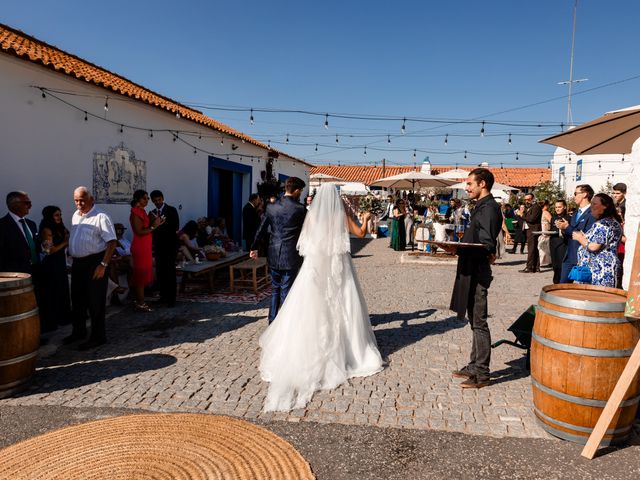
(251, 219)
(581, 221)
(19, 250)
(165, 247)
(533, 217)
(284, 220)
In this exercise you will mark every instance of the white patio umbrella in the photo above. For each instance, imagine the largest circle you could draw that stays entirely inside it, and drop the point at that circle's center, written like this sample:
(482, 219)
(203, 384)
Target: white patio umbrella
(455, 174)
(323, 177)
(354, 188)
(411, 180)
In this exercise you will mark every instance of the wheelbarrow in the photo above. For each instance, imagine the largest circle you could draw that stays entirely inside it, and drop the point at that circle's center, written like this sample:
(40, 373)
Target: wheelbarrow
(522, 329)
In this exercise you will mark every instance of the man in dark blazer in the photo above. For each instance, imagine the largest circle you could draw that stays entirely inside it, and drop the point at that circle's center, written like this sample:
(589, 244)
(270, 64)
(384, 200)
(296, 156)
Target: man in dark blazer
(19, 250)
(533, 217)
(581, 221)
(165, 247)
(284, 220)
(251, 219)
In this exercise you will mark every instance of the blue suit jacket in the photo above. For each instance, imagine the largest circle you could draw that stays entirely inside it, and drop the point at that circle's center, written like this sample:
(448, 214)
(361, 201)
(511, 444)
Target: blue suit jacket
(583, 224)
(284, 220)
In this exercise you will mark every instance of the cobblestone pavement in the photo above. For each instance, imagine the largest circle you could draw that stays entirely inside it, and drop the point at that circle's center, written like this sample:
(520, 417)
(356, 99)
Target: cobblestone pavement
(203, 357)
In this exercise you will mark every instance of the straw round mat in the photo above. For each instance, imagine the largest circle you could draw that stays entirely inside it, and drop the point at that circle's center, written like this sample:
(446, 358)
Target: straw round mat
(155, 446)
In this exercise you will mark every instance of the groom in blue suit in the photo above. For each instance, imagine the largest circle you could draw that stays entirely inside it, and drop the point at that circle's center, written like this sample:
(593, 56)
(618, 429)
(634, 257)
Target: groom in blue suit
(283, 220)
(581, 221)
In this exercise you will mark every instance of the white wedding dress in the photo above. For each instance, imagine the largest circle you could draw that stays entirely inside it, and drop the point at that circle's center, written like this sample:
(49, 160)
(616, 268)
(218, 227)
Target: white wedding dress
(322, 335)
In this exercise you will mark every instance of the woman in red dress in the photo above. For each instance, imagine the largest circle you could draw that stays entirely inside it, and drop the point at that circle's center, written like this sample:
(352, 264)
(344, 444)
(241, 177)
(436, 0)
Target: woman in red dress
(141, 255)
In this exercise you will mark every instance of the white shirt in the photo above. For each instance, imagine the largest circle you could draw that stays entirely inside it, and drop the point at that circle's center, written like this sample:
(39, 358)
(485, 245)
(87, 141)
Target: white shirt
(90, 233)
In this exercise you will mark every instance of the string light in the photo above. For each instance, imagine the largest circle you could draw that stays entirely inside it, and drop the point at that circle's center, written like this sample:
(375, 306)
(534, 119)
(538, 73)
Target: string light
(151, 133)
(465, 154)
(316, 147)
(414, 153)
(221, 140)
(326, 121)
(195, 151)
(251, 120)
(517, 156)
(121, 128)
(287, 139)
(623, 157)
(365, 149)
(388, 138)
(403, 129)
(509, 141)
(337, 140)
(446, 139)
(482, 130)
(175, 137)
(43, 94)
(106, 104)
(177, 114)
(199, 136)
(86, 118)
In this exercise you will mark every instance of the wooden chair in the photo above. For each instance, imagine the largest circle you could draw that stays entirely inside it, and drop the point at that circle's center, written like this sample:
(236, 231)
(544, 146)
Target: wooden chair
(252, 274)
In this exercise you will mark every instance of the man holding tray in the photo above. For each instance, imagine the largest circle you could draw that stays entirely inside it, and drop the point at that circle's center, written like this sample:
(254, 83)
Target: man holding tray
(473, 276)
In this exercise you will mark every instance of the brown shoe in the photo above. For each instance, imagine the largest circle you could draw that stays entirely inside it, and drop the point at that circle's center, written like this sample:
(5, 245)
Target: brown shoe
(475, 382)
(464, 372)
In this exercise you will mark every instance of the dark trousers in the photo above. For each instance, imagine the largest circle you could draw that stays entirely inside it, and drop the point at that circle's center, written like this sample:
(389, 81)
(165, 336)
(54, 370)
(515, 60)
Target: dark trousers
(477, 311)
(564, 273)
(533, 256)
(281, 281)
(166, 275)
(519, 238)
(88, 295)
(558, 250)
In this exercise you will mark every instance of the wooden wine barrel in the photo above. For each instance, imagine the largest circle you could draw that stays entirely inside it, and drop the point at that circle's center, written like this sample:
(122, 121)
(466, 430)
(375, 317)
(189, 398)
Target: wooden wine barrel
(580, 344)
(19, 331)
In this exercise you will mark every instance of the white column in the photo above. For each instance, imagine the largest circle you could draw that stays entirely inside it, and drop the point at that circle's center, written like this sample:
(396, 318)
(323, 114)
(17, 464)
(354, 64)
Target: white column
(632, 217)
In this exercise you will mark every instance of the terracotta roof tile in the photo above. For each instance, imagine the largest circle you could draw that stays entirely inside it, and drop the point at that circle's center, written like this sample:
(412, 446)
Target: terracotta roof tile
(16, 43)
(367, 174)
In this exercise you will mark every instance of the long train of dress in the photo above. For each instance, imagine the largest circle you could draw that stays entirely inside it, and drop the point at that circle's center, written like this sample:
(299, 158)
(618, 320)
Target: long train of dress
(321, 337)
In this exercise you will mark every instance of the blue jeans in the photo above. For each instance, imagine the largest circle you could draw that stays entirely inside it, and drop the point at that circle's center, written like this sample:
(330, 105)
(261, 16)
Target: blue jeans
(281, 281)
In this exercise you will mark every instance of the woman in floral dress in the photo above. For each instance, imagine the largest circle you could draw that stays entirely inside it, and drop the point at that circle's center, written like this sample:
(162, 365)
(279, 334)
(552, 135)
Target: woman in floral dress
(599, 245)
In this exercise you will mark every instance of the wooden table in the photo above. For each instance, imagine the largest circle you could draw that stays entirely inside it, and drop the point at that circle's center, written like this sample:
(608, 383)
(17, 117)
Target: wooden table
(254, 280)
(209, 268)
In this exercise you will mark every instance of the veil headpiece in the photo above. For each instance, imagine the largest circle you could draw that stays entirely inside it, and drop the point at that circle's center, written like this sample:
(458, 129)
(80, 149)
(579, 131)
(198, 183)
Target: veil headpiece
(325, 227)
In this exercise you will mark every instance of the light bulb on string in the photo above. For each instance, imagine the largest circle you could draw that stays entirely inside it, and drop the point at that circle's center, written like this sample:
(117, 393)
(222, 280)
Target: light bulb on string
(623, 158)
(509, 141)
(106, 104)
(365, 150)
(221, 140)
(446, 139)
(517, 156)
(482, 130)
(388, 138)
(175, 137)
(269, 143)
(151, 133)
(86, 118)
(43, 94)
(414, 153)
(195, 151)
(337, 140)
(251, 119)
(465, 154)
(403, 129)
(199, 136)
(121, 128)
(599, 165)
(316, 147)
(177, 114)
(287, 139)
(326, 120)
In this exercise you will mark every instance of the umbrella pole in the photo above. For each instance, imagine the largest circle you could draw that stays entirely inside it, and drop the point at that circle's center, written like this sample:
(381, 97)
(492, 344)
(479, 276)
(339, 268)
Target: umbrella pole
(413, 240)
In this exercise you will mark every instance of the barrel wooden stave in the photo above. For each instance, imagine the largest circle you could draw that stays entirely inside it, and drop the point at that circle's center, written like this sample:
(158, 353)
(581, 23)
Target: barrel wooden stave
(583, 378)
(19, 331)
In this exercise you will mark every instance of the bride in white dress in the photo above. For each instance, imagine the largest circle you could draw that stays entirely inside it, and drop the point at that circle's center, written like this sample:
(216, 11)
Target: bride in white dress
(322, 335)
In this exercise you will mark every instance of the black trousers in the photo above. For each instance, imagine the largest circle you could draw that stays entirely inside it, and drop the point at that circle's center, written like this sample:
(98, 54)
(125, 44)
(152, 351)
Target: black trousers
(166, 275)
(519, 238)
(477, 310)
(533, 256)
(88, 296)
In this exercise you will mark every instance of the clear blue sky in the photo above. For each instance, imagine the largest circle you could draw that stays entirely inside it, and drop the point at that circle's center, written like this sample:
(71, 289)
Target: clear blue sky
(428, 59)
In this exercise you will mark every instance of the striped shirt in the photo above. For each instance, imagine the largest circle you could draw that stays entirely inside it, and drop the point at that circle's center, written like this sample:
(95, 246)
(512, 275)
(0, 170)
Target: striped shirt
(90, 233)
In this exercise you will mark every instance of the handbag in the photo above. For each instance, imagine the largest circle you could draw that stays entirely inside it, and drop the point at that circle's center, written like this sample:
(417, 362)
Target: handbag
(580, 273)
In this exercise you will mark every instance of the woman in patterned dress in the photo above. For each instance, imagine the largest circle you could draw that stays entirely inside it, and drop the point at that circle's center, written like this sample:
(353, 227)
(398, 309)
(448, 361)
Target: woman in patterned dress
(599, 245)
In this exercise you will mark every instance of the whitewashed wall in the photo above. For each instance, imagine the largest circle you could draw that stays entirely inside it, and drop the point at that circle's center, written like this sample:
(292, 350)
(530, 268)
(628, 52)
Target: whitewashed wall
(596, 170)
(632, 215)
(47, 148)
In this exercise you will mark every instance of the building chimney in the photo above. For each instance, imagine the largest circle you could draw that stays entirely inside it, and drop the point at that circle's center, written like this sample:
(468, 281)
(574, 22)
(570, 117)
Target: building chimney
(484, 164)
(426, 166)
